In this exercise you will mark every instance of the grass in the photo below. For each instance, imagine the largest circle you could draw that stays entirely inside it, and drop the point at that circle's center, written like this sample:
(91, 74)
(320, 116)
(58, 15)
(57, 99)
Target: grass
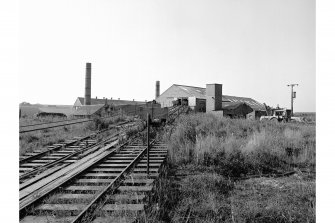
(28, 115)
(290, 199)
(308, 116)
(28, 111)
(221, 166)
(239, 147)
(41, 139)
(217, 167)
(30, 120)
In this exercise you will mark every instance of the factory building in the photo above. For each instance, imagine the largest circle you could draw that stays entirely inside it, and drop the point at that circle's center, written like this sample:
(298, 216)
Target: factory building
(80, 101)
(210, 99)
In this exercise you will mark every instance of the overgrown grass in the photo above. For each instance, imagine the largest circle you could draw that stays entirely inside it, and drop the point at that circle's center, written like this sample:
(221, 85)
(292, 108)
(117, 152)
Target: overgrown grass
(238, 147)
(215, 155)
(99, 123)
(199, 197)
(290, 199)
(308, 116)
(31, 120)
(40, 139)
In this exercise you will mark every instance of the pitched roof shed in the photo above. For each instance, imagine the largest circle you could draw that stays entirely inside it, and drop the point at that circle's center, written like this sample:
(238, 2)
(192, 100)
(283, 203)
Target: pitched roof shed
(177, 90)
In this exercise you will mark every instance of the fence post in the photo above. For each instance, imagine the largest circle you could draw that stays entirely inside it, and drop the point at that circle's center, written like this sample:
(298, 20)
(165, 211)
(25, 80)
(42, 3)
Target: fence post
(148, 143)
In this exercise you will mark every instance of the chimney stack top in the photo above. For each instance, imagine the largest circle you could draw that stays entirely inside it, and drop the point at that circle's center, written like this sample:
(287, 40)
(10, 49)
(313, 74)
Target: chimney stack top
(157, 92)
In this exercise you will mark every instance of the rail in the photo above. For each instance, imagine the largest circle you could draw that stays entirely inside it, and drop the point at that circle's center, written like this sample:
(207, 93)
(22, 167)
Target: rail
(46, 123)
(98, 200)
(57, 147)
(98, 162)
(175, 112)
(59, 158)
(59, 161)
(55, 126)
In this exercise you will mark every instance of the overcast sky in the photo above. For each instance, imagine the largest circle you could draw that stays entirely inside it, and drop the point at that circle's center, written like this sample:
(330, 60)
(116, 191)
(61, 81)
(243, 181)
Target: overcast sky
(253, 48)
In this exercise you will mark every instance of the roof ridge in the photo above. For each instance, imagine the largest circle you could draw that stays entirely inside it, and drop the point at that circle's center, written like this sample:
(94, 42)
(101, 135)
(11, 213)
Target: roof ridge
(236, 96)
(108, 99)
(180, 85)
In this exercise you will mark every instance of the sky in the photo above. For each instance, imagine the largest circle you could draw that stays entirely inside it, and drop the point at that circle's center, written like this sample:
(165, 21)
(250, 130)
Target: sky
(253, 48)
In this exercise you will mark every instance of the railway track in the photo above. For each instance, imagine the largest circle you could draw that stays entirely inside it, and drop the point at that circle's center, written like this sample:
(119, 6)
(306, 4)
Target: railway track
(48, 125)
(60, 155)
(109, 182)
(111, 188)
(175, 112)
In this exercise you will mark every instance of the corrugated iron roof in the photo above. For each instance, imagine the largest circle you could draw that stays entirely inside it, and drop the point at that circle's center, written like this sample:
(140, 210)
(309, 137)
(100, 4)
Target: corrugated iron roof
(233, 105)
(199, 92)
(87, 109)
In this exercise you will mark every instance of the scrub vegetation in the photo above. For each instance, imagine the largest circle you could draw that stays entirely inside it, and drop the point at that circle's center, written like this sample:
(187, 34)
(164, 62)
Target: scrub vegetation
(39, 140)
(236, 170)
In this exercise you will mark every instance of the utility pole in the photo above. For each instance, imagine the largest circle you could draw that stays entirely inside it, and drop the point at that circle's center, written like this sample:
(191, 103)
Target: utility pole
(293, 95)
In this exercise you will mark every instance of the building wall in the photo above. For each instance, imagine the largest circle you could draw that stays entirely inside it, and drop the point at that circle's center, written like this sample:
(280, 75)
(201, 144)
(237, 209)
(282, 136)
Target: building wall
(166, 98)
(192, 101)
(197, 104)
(154, 110)
(252, 115)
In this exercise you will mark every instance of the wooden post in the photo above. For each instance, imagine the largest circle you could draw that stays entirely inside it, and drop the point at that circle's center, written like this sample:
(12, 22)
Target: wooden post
(148, 143)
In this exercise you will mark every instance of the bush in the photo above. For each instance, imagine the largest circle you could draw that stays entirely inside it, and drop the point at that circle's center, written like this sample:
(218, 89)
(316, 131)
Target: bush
(98, 124)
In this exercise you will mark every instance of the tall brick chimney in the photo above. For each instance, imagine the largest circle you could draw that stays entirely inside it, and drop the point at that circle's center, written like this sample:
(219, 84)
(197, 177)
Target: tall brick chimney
(157, 89)
(87, 100)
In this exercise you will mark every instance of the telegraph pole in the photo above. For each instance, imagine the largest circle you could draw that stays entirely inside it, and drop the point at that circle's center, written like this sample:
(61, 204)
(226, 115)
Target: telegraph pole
(293, 95)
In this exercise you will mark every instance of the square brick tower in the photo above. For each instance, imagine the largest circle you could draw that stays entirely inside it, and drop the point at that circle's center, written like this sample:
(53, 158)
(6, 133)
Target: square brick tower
(213, 97)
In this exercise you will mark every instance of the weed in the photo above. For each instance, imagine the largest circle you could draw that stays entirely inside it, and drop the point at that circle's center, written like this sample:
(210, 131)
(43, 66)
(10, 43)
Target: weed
(239, 147)
(30, 138)
(211, 149)
(40, 139)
